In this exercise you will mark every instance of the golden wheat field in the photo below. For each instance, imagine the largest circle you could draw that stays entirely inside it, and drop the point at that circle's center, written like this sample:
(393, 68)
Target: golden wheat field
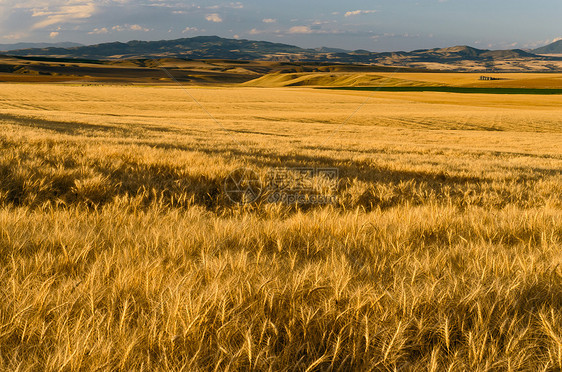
(120, 249)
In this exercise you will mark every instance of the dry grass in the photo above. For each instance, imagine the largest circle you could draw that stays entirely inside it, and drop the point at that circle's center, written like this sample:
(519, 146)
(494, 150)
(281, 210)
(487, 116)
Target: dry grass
(121, 251)
(408, 79)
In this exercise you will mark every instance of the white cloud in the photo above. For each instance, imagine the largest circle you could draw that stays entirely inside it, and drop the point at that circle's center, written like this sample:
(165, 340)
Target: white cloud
(316, 28)
(14, 36)
(300, 30)
(99, 31)
(214, 17)
(53, 34)
(236, 5)
(189, 29)
(70, 12)
(138, 28)
(269, 20)
(359, 12)
(391, 35)
(118, 28)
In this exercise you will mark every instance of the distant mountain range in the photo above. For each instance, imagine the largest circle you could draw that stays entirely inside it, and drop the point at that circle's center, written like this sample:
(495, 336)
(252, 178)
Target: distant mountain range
(554, 48)
(197, 47)
(17, 46)
(214, 47)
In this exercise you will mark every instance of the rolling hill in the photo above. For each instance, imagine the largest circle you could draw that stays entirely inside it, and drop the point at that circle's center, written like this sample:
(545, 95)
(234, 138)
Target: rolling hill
(193, 72)
(196, 47)
(554, 48)
(18, 46)
(458, 58)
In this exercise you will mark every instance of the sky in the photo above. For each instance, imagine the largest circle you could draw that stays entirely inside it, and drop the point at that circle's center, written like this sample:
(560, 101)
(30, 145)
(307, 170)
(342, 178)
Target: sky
(379, 25)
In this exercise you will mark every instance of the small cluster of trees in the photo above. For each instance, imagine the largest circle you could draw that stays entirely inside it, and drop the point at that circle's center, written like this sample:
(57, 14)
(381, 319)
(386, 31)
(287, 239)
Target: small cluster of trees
(488, 78)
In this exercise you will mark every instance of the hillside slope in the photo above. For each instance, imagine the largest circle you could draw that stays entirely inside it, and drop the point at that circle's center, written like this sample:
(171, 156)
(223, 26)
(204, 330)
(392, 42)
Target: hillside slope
(554, 48)
(196, 47)
(333, 80)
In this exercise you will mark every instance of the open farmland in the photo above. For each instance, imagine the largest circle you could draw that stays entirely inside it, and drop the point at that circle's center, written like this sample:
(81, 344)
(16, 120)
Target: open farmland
(121, 250)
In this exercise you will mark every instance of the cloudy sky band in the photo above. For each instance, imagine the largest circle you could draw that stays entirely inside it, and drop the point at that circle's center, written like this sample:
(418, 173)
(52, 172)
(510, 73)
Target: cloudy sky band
(354, 24)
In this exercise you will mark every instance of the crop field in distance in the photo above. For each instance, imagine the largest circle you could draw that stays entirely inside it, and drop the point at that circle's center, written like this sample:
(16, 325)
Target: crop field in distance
(428, 235)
